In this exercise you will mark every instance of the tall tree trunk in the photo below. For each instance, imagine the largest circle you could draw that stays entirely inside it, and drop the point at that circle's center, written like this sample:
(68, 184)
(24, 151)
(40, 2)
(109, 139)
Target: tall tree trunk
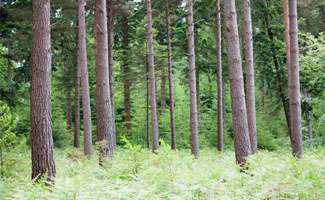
(110, 14)
(154, 118)
(68, 109)
(294, 83)
(239, 114)
(250, 83)
(77, 97)
(41, 117)
(82, 51)
(126, 75)
(105, 133)
(147, 102)
(287, 35)
(219, 78)
(170, 79)
(197, 74)
(163, 91)
(279, 76)
(192, 77)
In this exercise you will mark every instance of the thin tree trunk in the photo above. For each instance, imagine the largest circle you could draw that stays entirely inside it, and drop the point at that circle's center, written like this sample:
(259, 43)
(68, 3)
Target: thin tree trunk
(250, 83)
(82, 51)
(77, 97)
(219, 78)
(110, 4)
(154, 118)
(323, 14)
(224, 111)
(170, 80)
(294, 83)
(126, 75)
(287, 35)
(41, 117)
(105, 133)
(163, 91)
(197, 74)
(68, 109)
(241, 134)
(263, 96)
(279, 76)
(147, 101)
(192, 77)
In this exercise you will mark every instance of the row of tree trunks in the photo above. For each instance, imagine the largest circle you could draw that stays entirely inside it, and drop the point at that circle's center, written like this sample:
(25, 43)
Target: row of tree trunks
(192, 80)
(250, 85)
(110, 13)
(82, 56)
(170, 80)
(241, 133)
(41, 117)
(105, 132)
(152, 77)
(219, 78)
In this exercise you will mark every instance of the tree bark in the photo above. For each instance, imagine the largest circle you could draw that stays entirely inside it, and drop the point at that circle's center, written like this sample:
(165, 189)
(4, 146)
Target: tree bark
(192, 77)
(294, 83)
(105, 133)
(287, 35)
(82, 51)
(110, 14)
(41, 117)
(170, 80)
(250, 83)
(126, 75)
(241, 134)
(219, 78)
(163, 91)
(154, 118)
(77, 97)
(68, 109)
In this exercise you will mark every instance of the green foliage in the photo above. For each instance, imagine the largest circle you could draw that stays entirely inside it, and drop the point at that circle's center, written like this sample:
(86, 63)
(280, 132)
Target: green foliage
(173, 175)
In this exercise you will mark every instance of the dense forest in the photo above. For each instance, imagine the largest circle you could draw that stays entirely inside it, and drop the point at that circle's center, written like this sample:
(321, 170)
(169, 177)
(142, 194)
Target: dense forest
(162, 99)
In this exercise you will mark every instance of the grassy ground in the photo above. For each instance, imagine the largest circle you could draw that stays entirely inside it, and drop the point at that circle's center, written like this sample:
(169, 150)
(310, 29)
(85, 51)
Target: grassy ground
(138, 174)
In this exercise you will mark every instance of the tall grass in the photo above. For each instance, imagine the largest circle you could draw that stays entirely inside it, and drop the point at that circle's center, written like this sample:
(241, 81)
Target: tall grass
(136, 173)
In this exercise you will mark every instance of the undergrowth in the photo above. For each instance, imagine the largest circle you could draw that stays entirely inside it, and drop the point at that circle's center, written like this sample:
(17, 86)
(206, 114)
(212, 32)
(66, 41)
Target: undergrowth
(137, 173)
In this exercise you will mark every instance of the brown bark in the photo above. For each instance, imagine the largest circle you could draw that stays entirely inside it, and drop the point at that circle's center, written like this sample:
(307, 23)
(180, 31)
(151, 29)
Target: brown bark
(219, 78)
(170, 80)
(105, 134)
(82, 51)
(294, 83)
(163, 91)
(250, 83)
(77, 98)
(110, 14)
(239, 114)
(192, 77)
(126, 75)
(152, 77)
(41, 117)
(287, 35)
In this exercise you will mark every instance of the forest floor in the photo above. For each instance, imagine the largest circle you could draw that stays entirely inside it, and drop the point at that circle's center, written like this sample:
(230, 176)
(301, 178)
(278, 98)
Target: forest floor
(138, 174)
